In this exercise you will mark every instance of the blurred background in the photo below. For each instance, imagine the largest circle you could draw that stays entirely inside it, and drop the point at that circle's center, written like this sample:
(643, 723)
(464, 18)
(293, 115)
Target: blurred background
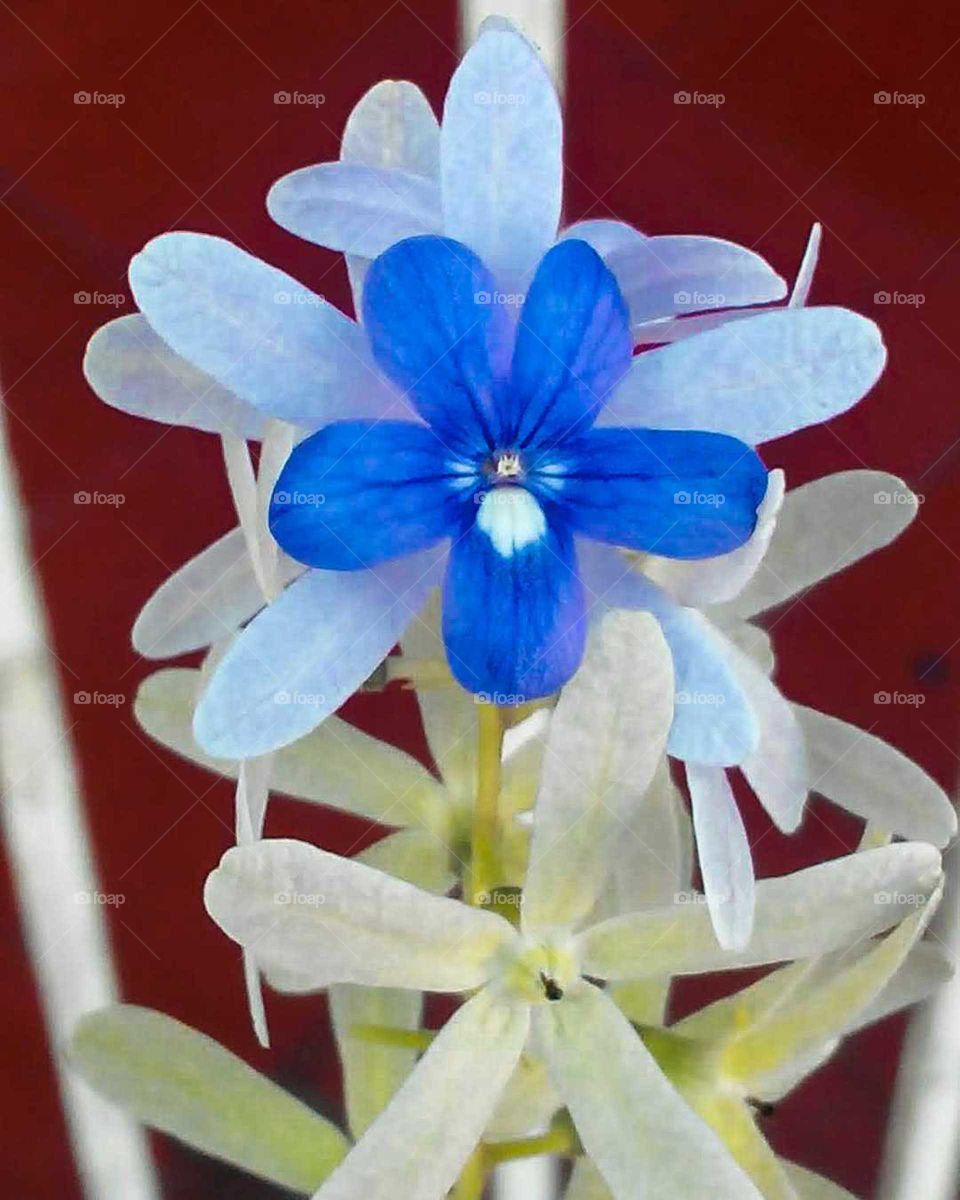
(747, 121)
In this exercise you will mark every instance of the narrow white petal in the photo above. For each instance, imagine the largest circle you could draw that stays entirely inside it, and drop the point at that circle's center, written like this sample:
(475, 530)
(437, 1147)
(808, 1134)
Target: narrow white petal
(586, 1182)
(871, 778)
(501, 170)
(808, 913)
(825, 526)
(303, 656)
(606, 737)
(705, 581)
(808, 265)
(250, 802)
(417, 1146)
(205, 600)
(757, 379)
(182, 1082)
(810, 1186)
(641, 1135)
(777, 770)
(134, 370)
(257, 331)
(724, 853)
(319, 919)
(356, 208)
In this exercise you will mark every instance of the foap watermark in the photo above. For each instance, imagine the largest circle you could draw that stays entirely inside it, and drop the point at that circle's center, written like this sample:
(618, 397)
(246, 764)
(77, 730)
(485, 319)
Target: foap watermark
(900, 699)
(312, 698)
(107, 899)
(100, 699)
(506, 99)
(100, 99)
(699, 299)
(710, 499)
(689, 898)
(706, 698)
(300, 499)
(502, 699)
(900, 99)
(305, 299)
(300, 99)
(100, 499)
(512, 299)
(906, 498)
(299, 899)
(906, 299)
(901, 899)
(106, 299)
(706, 99)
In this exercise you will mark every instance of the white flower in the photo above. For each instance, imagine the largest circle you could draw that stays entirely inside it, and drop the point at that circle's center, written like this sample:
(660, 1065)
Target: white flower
(311, 919)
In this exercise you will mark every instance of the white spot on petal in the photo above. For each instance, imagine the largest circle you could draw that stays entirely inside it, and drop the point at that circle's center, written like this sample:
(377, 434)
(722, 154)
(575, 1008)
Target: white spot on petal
(512, 519)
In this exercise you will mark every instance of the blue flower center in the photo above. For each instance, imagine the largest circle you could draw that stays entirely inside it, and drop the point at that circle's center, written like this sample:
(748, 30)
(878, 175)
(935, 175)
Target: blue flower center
(503, 467)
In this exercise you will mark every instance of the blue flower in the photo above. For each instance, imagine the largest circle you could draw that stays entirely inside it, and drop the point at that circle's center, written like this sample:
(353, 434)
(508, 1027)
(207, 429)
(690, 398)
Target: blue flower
(508, 463)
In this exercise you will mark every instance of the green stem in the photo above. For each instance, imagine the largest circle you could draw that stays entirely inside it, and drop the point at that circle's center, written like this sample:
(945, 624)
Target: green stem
(390, 1035)
(557, 1140)
(485, 815)
(473, 1178)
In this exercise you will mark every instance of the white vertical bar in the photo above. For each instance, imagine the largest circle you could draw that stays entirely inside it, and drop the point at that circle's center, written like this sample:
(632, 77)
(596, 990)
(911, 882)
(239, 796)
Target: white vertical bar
(922, 1156)
(527, 1179)
(543, 21)
(60, 903)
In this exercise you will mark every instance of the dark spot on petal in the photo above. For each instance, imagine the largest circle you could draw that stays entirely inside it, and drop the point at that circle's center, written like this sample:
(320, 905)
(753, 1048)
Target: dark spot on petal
(551, 988)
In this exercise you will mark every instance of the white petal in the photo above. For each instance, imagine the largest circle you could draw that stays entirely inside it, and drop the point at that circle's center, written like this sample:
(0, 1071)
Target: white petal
(355, 208)
(751, 640)
(501, 170)
(778, 770)
(392, 125)
(606, 738)
(825, 526)
(132, 369)
(179, 1081)
(713, 723)
(700, 582)
(656, 863)
(417, 1146)
(724, 852)
(603, 235)
(632, 1123)
(250, 803)
(797, 916)
(757, 379)
(586, 1182)
(336, 765)
(664, 276)
(257, 331)
(926, 968)
(206, 599)
(810, 1186)
(320, 919)
(801, 1033)
(371, 1072)
(305, 654)
(808, 265)
(871, 778)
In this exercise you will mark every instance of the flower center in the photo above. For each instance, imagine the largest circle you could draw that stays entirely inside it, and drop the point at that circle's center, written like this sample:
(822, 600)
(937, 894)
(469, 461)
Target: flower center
(504, 466)
(540, 972)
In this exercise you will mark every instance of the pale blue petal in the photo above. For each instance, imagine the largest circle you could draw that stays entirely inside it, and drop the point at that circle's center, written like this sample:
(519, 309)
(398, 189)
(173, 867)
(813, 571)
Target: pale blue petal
(300, 659)
(501, 170)
(257, 331)
(713, 721)
(355, 208)
(756, 379)
(132, 369)
(392, 125)
(605, 236)
(672, 276)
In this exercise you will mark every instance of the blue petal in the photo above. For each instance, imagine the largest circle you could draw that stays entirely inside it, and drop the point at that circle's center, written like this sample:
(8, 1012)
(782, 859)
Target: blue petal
(359, 492)
(513, 611)
(573, 346)
(675, 494)
(429, 307)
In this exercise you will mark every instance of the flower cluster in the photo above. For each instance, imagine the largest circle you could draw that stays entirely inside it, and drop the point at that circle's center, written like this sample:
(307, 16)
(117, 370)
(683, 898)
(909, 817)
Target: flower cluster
(532, 460)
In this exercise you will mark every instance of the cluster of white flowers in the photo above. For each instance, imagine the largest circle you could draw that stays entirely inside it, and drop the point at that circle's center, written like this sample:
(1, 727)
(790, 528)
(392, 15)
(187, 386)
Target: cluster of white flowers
(543, 873)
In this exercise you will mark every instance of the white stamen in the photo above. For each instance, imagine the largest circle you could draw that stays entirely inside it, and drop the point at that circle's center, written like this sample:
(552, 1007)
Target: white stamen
(512, 519)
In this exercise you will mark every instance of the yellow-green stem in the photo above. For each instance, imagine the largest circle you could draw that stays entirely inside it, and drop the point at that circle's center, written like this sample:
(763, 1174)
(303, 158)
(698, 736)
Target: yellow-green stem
(391, 1035)
(473, 1178)
(557, 1140)
(483, 865)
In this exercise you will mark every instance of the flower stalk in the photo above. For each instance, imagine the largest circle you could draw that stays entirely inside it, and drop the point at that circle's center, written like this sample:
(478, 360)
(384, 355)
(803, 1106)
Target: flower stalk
(483, 864)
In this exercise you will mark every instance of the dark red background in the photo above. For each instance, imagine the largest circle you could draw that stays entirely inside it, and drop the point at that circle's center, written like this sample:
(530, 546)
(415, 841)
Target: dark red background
(195, 145)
